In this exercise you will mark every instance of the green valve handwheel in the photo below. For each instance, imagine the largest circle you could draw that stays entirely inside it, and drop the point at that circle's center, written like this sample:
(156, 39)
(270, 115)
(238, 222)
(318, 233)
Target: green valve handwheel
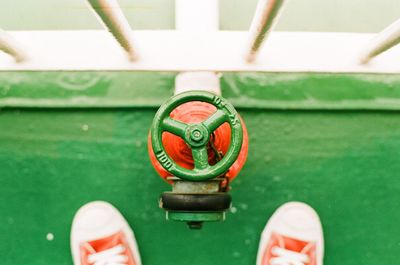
(197, 136)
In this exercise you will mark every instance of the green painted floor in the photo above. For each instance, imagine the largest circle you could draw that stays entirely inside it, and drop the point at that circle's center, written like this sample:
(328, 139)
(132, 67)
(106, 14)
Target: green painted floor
(343, 163)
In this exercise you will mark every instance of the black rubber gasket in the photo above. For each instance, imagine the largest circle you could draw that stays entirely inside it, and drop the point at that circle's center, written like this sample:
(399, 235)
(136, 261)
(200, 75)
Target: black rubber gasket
(195, 202)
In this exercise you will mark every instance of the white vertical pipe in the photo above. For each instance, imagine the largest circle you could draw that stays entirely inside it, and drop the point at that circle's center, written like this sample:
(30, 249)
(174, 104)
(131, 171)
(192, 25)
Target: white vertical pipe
(197, 16)
(264, 20)
(204, 81)
(10, 46)
(385, 40)
(112, 18)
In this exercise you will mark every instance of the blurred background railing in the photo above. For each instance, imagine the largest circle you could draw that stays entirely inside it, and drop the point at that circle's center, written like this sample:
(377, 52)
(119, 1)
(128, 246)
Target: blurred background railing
(315, 15)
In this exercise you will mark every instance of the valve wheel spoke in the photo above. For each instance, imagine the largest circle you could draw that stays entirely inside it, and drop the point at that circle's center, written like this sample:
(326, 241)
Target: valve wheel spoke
(175, 127)
(215, 120)
(200, 157)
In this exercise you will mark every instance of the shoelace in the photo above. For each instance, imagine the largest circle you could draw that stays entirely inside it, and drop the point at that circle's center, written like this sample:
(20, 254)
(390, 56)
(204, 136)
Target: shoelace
(288, 257)
(112, 256)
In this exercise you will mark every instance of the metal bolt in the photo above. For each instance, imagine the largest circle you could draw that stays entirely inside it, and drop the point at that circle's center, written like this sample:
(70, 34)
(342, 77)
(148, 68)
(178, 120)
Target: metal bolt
(195, 225)
(196, 135)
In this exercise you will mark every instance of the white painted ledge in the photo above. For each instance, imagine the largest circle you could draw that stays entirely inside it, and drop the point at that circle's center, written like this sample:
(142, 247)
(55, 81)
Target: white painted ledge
(183, 51)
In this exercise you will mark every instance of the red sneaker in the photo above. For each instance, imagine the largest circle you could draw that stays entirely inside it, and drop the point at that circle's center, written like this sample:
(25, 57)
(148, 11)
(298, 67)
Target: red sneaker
(292, 236)
(101, 236)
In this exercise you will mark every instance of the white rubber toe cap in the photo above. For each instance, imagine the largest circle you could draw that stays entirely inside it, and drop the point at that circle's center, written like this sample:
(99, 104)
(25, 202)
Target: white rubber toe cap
(97, 220)
(295, 220)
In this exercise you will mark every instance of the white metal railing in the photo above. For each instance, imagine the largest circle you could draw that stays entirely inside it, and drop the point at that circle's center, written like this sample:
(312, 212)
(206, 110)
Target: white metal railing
(10, 46)
(110, 14)
(264, 20)
(202, 16)
(385, 40)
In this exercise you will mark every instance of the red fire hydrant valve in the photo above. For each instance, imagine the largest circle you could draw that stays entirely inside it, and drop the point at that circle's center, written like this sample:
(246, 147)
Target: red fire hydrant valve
(198, 143)
(212, 120)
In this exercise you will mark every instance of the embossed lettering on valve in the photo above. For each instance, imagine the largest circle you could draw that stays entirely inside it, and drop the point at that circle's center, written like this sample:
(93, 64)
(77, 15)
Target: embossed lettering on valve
(220, 103)
(164, 160)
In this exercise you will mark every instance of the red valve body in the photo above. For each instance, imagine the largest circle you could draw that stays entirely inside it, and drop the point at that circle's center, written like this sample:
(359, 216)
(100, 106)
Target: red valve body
(177, 149)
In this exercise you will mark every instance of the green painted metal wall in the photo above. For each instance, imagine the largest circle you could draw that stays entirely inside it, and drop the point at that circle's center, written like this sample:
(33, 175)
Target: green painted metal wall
(329, 140)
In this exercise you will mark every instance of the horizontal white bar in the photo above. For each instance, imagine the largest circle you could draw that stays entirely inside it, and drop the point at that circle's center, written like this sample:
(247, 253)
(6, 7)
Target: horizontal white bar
(212, 51)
